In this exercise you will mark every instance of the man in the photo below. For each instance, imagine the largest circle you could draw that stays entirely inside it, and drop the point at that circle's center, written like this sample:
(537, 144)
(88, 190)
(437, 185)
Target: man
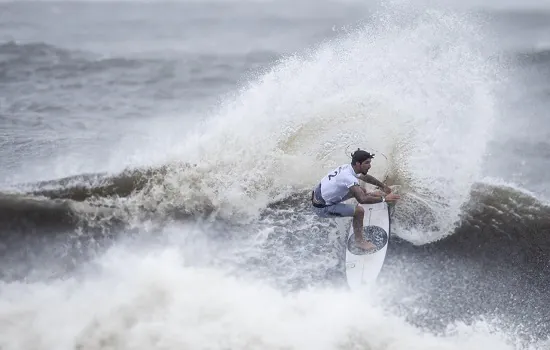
(342, 184)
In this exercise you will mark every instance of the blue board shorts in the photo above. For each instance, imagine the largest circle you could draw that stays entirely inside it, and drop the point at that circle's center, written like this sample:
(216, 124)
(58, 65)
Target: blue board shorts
(336, 210)
(326, 211)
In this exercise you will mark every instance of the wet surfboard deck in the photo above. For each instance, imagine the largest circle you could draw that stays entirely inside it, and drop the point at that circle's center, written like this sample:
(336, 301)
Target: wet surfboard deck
(363, 266)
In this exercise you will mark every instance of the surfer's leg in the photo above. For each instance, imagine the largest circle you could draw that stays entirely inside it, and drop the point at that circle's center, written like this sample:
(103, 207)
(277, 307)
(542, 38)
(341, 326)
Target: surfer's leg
(358, 217)
(340, 210)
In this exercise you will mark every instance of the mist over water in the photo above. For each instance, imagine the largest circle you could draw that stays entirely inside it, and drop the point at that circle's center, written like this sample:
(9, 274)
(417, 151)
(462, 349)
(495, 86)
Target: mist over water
(411, 86)
(207, 240)
(161, 302)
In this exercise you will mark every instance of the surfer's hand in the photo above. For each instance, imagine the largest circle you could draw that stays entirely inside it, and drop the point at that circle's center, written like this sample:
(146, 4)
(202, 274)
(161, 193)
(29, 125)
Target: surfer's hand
(387, 189)
(365, 244)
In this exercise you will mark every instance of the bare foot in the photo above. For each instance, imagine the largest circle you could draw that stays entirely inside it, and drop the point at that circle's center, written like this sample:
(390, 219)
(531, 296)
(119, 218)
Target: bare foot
(365, 245)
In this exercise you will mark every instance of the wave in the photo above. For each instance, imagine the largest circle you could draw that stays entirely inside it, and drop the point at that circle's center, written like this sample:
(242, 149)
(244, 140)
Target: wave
(153, 279)
(99, 200)
(86, 186)
(496, 263)
(410, 85)
(536, 56)
(161, 300)
(498, 217)
(501, 227)
(413, 89)
(380, 85)
(506, 211)
(45, 61)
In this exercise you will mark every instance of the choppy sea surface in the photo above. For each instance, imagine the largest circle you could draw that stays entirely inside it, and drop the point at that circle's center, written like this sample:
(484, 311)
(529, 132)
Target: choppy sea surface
(156, 161)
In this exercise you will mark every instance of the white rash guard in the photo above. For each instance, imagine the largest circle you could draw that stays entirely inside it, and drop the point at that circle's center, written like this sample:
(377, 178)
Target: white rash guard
(336, 184)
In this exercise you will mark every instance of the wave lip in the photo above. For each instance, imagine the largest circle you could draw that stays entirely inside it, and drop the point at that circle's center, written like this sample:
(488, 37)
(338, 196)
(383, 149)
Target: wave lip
(94, 200)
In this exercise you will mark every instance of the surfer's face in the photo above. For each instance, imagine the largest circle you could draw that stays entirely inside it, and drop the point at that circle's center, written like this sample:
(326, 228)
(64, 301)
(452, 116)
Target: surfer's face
(365, 166)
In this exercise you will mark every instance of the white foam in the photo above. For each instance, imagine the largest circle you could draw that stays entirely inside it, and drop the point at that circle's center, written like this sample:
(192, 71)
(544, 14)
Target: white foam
(413, 85)
(156, 300)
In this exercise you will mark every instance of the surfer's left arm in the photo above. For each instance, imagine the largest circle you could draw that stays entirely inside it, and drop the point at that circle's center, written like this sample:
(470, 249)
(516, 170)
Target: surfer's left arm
(374, 181)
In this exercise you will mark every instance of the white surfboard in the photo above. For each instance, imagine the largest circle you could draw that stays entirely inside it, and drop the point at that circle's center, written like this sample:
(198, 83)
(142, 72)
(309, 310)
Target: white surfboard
(363, 266)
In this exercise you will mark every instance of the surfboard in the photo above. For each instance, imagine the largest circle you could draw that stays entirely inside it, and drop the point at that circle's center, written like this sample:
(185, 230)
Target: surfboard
(363, 266)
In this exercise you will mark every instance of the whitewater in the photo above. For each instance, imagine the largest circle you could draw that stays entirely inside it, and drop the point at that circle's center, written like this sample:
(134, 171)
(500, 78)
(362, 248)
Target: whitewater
(206, 240)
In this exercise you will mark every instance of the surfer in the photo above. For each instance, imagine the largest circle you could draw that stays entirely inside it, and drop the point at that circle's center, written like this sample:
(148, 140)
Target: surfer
(342, 184)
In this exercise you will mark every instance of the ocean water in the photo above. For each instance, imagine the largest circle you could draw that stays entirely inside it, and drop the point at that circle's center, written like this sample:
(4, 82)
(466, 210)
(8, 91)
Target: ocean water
(157, 160)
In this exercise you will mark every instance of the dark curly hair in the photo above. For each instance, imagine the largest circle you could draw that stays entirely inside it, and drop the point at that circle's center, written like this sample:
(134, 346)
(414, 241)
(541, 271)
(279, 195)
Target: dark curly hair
(360, 156)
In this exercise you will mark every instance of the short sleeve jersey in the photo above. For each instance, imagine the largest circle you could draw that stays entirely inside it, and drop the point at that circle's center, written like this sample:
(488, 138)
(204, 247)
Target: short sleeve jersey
(335, 186)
